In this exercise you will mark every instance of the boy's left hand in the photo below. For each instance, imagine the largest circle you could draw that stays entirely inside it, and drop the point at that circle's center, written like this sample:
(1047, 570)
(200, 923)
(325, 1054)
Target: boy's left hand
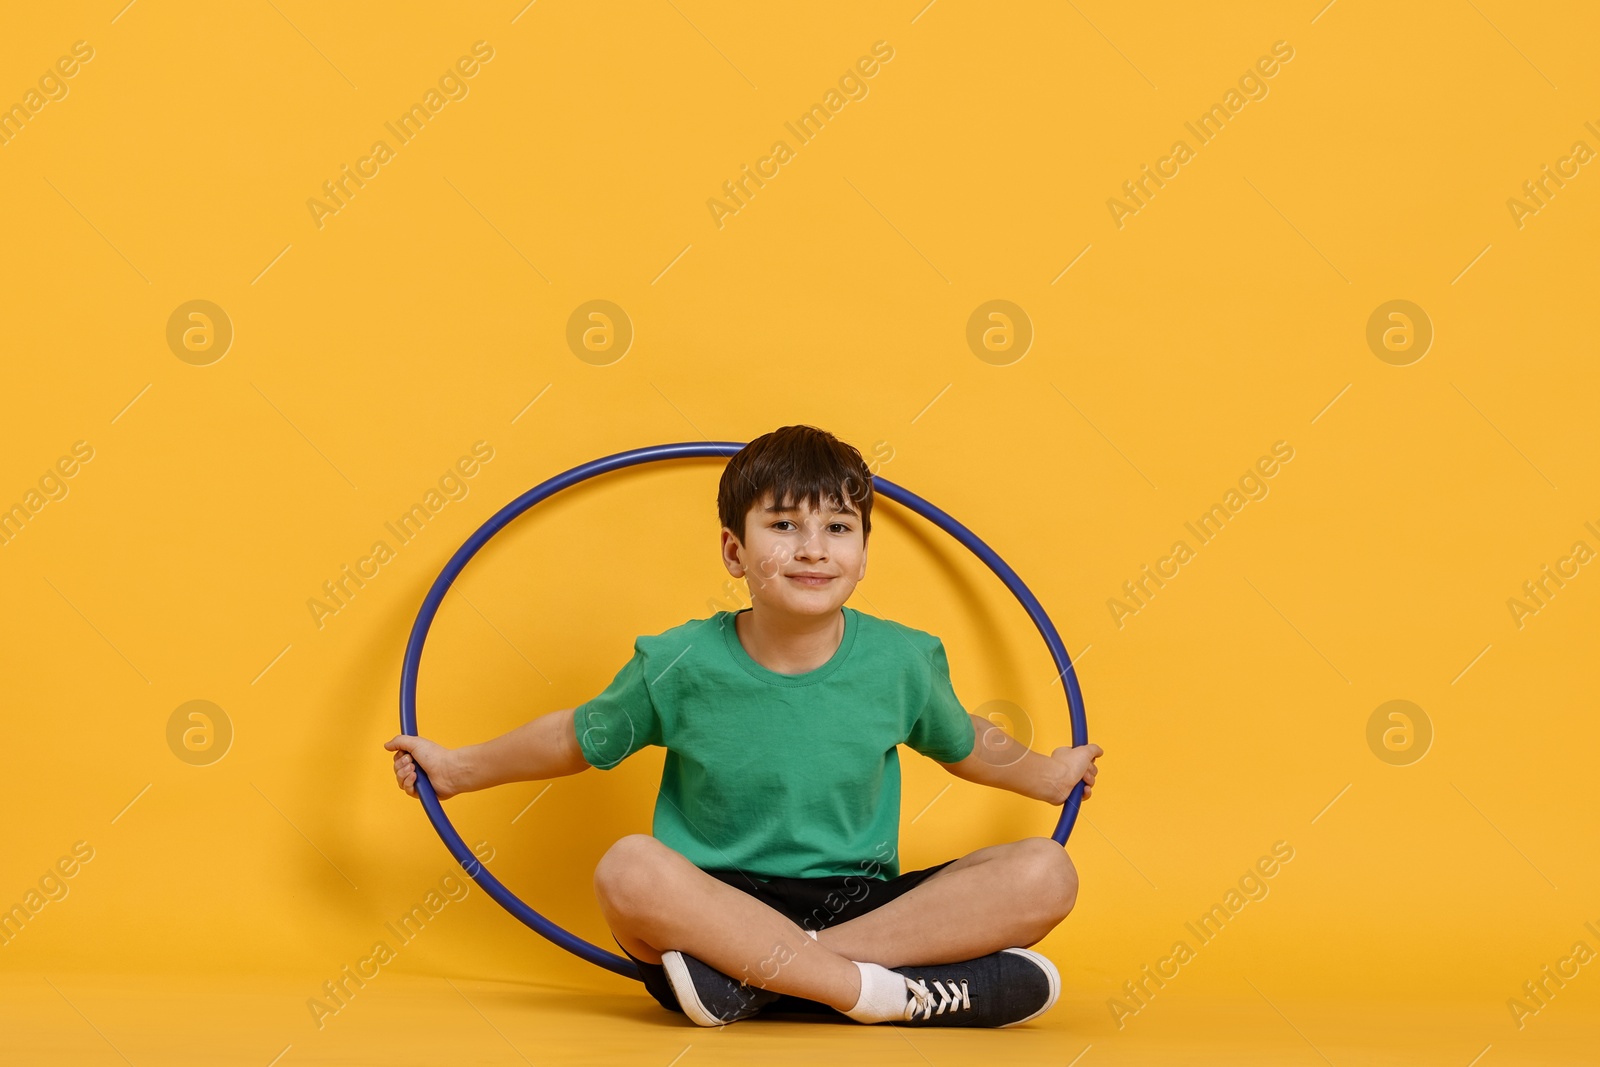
(1078, 764)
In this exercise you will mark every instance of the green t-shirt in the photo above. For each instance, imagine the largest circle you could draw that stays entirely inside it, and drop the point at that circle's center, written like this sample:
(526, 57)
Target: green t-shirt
(780, 775)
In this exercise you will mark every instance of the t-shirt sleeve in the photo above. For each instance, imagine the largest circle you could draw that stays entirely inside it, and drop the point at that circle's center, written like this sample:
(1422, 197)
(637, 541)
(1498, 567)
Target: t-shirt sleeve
(621, 720)
(942, 731)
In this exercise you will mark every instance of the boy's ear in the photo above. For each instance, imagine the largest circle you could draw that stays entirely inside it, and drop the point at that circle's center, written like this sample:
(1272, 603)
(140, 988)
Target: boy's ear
(732, 553)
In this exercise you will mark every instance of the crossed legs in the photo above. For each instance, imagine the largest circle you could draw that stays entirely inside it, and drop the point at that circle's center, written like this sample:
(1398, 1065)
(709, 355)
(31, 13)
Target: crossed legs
(997, 897)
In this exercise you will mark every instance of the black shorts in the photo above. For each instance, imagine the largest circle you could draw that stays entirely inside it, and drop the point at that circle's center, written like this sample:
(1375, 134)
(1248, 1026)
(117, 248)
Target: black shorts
(811, 903)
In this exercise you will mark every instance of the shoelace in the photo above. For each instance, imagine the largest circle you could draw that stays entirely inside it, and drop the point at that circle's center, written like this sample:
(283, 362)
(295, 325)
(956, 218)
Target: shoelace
(922, 1000)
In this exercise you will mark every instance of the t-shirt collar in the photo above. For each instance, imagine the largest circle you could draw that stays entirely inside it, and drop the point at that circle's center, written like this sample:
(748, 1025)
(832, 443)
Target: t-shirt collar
(755, 670)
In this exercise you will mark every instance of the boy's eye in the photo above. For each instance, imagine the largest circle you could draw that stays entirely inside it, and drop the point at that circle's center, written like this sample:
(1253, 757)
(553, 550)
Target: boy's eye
(842, 527)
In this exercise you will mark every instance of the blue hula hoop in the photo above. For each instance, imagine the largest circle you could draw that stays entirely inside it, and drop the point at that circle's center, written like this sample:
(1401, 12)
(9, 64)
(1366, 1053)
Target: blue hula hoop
(684, 450)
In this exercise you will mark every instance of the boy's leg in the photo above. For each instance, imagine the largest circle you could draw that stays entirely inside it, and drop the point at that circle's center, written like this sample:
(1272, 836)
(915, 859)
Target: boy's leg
(655, 900)
(1002, 896)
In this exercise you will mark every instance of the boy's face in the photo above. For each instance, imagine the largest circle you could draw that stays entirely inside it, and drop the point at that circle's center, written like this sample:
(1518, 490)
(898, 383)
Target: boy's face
(783, 546)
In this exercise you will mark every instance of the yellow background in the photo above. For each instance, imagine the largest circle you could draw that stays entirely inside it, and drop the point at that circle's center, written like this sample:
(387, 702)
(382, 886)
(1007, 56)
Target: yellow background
(431, 312)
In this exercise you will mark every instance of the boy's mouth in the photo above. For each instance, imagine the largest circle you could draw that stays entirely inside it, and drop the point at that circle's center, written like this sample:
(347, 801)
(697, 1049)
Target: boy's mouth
(815, 581)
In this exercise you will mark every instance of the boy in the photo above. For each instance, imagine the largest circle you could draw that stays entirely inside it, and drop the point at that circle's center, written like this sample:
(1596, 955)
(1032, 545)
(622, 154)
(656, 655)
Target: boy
(772, 870)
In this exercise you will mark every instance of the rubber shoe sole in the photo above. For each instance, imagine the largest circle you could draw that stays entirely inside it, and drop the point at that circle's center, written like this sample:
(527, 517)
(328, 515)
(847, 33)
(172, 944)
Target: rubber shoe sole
(709, 997)
(1005, 988)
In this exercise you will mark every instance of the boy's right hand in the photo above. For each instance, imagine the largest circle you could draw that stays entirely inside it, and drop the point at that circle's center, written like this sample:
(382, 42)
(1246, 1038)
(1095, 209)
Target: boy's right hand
(443, 765)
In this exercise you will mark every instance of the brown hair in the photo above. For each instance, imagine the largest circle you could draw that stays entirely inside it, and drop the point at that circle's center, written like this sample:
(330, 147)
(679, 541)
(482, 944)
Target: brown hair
(796, 463)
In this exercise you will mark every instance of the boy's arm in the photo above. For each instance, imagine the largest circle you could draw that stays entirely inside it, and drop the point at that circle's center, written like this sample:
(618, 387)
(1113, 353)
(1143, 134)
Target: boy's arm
(546, 747)
(1000, 760)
